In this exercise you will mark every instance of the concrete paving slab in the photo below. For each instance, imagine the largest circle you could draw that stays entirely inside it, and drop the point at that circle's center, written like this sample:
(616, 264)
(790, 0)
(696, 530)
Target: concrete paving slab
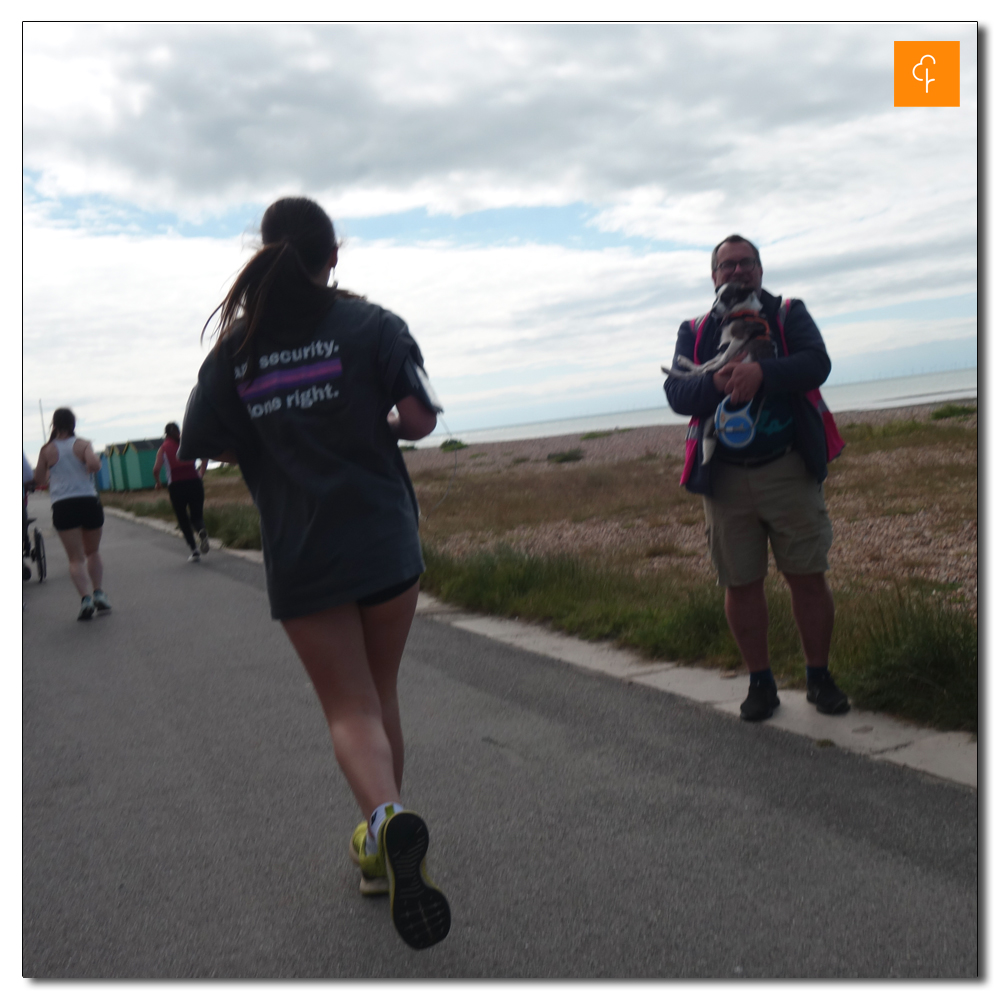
(597, 656)
(707, 686)
(858, 731)
(953, 756)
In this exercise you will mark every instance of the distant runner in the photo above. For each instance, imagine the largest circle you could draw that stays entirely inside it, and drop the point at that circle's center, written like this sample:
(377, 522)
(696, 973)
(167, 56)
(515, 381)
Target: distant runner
(300, 390)
(65, 465)
(186, 490)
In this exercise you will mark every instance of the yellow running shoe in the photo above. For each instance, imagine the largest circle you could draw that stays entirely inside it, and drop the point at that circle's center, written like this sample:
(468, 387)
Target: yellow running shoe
(374, 881)
(420, 913)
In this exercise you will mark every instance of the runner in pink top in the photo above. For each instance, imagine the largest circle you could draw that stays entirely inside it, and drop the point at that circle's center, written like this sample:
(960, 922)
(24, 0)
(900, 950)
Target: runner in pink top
(186, 490)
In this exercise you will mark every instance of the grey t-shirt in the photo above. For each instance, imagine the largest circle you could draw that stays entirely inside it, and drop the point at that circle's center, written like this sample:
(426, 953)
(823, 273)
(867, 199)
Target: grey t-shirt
(337, 510)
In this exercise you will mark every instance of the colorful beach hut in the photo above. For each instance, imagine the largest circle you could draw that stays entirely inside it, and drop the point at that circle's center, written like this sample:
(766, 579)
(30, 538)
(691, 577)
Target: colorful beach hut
(131, 464)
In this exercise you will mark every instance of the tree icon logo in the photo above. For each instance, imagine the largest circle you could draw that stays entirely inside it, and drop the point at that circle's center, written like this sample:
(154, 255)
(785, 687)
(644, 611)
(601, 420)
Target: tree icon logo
(917, 65)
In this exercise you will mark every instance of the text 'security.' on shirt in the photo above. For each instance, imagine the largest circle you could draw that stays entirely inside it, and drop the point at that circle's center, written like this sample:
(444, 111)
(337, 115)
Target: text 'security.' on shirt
(337, 510)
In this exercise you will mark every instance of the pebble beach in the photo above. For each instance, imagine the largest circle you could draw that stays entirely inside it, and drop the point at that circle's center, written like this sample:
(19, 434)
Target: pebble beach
(866, 540)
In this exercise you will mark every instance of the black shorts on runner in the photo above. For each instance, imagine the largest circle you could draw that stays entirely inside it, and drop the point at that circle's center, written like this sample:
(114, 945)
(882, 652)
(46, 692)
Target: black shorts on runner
(381, 596)
(77, 512)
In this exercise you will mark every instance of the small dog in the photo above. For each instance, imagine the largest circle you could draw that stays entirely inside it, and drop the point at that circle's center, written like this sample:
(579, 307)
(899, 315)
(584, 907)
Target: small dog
(744, 329)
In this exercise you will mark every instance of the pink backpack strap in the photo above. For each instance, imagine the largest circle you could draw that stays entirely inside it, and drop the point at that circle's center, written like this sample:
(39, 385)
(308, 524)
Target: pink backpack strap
(834, 442)
(694, 425)
(690, 448)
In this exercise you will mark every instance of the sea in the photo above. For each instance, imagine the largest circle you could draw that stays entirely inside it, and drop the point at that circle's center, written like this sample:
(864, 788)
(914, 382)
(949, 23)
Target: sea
(880, 394)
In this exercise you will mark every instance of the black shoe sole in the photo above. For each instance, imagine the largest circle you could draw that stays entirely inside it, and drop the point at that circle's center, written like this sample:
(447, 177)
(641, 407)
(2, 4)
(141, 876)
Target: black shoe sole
(420, 913)
(85, 616)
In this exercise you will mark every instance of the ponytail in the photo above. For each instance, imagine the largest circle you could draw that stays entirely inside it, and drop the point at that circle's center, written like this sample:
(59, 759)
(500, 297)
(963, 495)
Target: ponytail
(63, 421)
(276, 292)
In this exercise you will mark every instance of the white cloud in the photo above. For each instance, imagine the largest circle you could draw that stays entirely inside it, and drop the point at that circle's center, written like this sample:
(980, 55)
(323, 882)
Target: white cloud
(112, 323)
(674, 133)
(847, 339)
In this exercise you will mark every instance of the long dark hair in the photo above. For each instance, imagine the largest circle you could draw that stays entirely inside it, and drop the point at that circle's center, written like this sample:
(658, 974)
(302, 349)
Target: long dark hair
(172, 431)
(276, 293)
(63, 420)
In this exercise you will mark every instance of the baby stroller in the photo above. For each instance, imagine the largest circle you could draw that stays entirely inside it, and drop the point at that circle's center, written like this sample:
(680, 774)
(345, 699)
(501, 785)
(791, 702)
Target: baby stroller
(32, 548)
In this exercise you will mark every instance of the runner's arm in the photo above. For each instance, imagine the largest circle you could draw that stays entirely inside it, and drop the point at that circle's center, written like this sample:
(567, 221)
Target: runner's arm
(413, 420)
(157, 465)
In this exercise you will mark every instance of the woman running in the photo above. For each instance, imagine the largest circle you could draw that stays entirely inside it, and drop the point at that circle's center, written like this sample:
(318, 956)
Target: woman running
(66, 464)
(299, 389)
(185, 489)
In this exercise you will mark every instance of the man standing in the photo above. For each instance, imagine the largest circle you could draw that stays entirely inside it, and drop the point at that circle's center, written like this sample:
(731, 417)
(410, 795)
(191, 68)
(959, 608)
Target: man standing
(769, 489)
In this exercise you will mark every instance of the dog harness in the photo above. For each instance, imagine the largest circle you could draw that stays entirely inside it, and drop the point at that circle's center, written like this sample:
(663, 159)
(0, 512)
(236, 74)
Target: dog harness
(834, 442)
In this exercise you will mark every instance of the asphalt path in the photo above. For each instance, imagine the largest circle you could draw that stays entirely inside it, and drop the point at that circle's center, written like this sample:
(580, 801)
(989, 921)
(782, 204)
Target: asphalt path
(183, 814)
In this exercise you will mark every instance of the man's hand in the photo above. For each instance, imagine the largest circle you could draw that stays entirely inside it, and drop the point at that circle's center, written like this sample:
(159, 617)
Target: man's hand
(744, 381)
(720, 379)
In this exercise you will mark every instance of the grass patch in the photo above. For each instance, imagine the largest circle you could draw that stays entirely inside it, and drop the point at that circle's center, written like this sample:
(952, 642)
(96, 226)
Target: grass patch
(236, 524)
(407, 447)
(952, 410)
(865, 438)
(594, 435)
(453, 444)
(911, 654)
(573, 455)
(903, 651)
(654, 614)
(143, 508)
(667, 550)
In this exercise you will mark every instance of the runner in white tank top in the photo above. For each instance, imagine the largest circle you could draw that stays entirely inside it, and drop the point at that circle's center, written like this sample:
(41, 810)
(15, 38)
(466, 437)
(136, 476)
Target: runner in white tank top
(65, 464)
(68, 476)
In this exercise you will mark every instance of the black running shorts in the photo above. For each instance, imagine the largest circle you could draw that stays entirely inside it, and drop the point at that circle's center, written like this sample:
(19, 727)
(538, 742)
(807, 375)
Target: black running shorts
(381, 596)
(78, 512)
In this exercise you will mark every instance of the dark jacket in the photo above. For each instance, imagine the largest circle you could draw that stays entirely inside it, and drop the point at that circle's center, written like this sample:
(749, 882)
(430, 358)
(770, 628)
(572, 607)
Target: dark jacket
(805, 367)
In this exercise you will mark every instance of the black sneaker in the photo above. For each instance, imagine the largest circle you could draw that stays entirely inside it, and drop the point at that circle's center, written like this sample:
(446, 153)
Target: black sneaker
(760, 704)
(419, 911)
(827, 697)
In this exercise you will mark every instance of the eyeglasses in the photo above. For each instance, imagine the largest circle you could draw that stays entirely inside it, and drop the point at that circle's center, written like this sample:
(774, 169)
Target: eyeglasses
(744, 264)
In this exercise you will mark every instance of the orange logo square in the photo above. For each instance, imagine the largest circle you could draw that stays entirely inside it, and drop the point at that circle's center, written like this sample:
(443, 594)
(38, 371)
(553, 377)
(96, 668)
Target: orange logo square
(926, 75)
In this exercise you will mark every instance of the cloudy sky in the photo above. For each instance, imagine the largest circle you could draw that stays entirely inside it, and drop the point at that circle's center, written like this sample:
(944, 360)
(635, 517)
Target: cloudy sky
(538, 202)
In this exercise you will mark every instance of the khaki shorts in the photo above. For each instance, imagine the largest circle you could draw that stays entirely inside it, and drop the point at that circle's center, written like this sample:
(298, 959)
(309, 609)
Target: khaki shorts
(779, 501)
